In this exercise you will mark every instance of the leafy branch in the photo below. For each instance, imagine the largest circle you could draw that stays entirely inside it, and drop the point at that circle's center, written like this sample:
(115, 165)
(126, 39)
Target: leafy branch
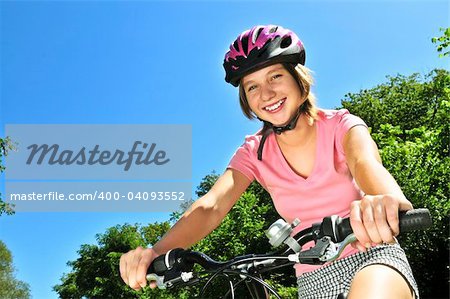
(443, 42)
(6, 145)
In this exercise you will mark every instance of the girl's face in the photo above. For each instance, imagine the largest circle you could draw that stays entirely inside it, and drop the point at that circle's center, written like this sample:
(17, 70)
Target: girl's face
(273, 94)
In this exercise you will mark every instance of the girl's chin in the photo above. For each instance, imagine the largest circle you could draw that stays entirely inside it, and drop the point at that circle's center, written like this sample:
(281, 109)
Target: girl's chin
(278, 119)
(280, 122)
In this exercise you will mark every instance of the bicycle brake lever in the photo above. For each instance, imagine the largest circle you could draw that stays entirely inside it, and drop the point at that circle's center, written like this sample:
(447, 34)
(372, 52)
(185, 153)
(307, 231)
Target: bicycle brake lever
(334, 250)
(163, 284)
(325, 251)
(158, 279)
(314, 255)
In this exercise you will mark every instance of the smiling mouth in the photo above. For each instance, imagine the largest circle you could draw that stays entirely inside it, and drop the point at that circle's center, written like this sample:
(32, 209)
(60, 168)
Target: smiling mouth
(275, 106)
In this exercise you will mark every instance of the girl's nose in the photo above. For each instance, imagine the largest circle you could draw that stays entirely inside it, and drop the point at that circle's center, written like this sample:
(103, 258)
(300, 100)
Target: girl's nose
(267, 92)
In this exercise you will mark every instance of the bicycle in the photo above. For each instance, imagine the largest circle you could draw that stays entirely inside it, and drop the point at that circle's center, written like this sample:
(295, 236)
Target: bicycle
(331, 236)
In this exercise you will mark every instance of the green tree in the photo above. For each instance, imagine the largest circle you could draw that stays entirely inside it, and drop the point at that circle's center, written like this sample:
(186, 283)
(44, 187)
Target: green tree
(443, 42)
(6, 145)
(10, 287)
(95, 273)
(243, 231)
(409, 118)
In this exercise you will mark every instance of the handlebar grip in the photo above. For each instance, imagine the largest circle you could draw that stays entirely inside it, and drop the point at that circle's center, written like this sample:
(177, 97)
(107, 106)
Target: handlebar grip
(411, 220)
(164, 262)
(343, 229)
(414, 220)
(158, 266)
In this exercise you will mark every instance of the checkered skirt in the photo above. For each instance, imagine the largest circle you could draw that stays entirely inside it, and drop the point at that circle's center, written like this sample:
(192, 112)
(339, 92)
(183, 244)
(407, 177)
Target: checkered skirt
(331, 280)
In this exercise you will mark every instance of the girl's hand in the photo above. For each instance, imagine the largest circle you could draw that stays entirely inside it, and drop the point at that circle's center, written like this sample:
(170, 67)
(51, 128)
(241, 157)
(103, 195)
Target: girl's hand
(374, 219)
(134, 265)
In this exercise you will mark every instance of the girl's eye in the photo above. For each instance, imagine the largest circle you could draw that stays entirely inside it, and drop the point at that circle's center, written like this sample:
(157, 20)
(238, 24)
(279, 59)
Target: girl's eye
(276, 76)
(251, 87)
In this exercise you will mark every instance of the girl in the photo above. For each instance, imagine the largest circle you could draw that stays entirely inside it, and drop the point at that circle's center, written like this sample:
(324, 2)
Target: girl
(313, 162)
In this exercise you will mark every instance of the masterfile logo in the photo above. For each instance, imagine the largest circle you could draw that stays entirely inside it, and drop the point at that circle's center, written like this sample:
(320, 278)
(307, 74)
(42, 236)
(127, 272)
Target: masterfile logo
(111, 168)
(51, 155)
(99, 152)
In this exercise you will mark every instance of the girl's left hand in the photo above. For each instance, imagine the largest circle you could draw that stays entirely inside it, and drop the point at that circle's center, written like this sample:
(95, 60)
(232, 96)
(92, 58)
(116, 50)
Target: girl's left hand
(374, 219)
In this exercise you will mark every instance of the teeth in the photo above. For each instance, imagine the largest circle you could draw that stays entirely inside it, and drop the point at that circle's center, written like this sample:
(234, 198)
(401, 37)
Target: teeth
(275, 106)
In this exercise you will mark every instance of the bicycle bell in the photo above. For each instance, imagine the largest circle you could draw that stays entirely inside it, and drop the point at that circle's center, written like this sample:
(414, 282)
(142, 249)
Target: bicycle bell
(280, 232)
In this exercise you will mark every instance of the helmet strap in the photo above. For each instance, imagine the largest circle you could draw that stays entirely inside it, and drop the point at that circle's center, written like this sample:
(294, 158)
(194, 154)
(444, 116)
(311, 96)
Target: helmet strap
(291, 125)
(278, 129)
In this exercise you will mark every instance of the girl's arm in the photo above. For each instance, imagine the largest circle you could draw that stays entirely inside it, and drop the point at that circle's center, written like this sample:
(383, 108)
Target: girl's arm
(374, 218)
(202, 217)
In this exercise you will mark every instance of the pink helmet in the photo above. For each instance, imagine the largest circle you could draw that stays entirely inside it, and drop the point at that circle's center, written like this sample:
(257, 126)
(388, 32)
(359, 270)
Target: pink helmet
(259, 47)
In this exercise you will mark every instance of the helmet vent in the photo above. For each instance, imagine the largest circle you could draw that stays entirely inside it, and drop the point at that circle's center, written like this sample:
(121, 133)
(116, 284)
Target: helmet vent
(255, 36)
(273, 29)
(236, 45)
(263, 52)
(286, 42)
(244, 44)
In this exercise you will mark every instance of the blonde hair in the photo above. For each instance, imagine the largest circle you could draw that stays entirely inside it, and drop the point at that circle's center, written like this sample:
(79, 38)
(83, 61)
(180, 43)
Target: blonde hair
(305, 81)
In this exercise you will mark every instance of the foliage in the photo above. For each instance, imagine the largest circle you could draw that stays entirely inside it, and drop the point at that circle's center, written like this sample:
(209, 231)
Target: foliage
(443, 42)
(10, 287)
(242, 232)
(409, 118)
(6, 145)
(95, 274)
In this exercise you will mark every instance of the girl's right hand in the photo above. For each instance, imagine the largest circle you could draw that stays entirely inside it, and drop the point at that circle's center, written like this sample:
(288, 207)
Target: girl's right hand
(134, 265)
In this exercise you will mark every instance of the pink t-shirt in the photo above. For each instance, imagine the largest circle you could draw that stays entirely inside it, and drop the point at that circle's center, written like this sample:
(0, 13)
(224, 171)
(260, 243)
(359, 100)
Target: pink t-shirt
(330, 188)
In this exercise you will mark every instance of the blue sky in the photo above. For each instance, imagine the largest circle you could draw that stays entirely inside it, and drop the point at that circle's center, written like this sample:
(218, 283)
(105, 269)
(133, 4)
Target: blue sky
(155, 62)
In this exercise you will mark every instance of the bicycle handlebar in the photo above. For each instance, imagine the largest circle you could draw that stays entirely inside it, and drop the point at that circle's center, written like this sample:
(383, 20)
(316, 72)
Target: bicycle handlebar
(330, 237)
(411, 220)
